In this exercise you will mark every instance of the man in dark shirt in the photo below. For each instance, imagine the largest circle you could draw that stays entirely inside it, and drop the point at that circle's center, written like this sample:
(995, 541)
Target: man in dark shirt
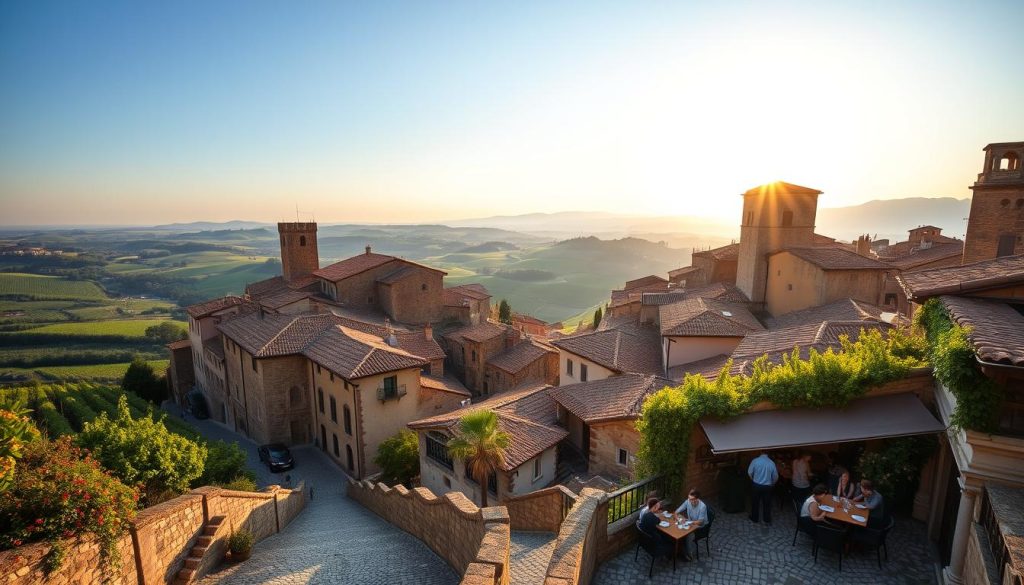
(649, 525)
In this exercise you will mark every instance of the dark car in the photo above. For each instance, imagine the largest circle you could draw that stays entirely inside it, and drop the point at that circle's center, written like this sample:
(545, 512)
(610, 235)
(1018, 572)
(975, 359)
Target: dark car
(277, 457)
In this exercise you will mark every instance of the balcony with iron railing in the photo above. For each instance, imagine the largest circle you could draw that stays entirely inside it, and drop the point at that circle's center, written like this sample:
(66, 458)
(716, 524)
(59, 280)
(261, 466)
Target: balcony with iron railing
(386, 392)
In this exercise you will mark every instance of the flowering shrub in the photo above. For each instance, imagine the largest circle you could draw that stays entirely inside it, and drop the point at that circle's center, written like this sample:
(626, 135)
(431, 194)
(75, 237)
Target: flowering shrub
(16, 430)
(60, 492)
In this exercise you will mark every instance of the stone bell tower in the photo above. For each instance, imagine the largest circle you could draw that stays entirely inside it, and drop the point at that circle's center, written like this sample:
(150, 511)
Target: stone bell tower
(996, 224)
(299, 256)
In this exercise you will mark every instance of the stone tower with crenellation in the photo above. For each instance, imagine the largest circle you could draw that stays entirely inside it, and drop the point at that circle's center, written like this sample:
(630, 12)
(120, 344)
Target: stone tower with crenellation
(299, 256)
(775, 216)
(996, 225)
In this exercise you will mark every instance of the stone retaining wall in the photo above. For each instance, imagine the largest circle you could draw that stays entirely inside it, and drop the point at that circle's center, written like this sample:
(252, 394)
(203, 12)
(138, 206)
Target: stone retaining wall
(158, 540)
(579, 539)
(539, 511)
(475, 542)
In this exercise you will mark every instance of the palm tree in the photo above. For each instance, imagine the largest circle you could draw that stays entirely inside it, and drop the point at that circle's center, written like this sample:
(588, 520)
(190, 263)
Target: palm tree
(481, 445)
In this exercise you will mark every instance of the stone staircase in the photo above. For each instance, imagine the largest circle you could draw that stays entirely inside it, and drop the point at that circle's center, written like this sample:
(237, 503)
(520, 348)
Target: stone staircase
(206, 553)
(570, 463)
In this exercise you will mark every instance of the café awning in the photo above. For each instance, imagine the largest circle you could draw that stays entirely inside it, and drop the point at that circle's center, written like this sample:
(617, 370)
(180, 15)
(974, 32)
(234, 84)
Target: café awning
(896, 415)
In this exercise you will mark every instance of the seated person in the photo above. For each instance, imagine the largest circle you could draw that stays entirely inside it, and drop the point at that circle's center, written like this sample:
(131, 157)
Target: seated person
(846, 488)
(873, 501)
(811, 511)
(648, 524)
(696, 511)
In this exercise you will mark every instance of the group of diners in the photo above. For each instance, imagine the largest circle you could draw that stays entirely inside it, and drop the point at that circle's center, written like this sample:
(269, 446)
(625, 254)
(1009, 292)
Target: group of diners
(693, 511)
(767, 477)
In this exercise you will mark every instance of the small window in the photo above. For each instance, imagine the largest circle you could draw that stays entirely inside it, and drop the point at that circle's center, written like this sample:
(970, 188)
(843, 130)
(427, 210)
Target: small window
(787, 218)
(254, 365)
(1006, 244)
(623, 457)
(348, 456)
(474, 356)
(332, 376)
(347, 414)
(318, 368)
(538, 468)
(320, 399)
(423, 287)
(568, 367)
(789, 287)
(337, 453)
(334, 410)
(583, 372)
(302, 240)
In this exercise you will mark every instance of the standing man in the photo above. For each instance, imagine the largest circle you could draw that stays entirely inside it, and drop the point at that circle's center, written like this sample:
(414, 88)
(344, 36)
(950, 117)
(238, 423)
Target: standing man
(763, 474)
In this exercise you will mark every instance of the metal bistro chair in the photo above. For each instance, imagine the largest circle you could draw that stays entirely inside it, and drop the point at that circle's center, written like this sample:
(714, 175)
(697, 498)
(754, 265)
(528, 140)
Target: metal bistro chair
(704, 533)
(875, 538)
(833, 539)
(652, 546)
(805, 527)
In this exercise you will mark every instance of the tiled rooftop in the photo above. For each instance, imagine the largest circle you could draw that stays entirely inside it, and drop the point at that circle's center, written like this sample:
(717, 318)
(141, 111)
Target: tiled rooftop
(841, 310)
(719, 290)
(354, 354)
(519, 356)
(727, 252)
(972, 277)
(997, 327)
(629, 348)
(706, 318)
(651, 280)
(200, 310)
(480, 332)
(459, 296)
(835, 258)
(613, 398)
(707, 367)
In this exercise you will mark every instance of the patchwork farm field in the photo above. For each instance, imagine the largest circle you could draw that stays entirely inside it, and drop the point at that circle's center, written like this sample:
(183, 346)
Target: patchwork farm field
(38, 287)
(124, 327)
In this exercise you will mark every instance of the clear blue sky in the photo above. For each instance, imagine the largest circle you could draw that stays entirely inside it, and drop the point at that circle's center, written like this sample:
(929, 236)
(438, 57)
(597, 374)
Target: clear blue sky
(145, 112)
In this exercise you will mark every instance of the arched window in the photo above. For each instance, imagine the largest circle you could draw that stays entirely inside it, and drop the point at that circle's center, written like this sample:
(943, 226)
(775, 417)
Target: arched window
(348, 456)
(347, 414)
(302, 240)
(336, 452)
(1009, 162)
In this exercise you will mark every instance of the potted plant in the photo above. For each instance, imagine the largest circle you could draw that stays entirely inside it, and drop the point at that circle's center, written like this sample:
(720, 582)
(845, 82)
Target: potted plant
(240, 544)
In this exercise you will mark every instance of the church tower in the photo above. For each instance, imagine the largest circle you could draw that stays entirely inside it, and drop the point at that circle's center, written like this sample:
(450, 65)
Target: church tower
(775, 216)
(299, 256)
(996, 225)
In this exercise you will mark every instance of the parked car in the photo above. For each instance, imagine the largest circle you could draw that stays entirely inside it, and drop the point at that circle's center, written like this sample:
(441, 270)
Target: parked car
(277, 457)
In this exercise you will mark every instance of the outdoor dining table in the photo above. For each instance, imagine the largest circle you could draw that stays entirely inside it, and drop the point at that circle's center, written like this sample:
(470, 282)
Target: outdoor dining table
(674, 532)
(847, 517)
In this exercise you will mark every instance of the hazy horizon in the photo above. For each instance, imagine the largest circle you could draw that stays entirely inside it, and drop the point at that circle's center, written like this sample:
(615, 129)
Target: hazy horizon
(120, 113)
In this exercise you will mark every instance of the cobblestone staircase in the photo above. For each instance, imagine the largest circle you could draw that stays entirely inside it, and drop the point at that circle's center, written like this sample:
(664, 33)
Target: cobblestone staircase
(205, 554)
(530, 555)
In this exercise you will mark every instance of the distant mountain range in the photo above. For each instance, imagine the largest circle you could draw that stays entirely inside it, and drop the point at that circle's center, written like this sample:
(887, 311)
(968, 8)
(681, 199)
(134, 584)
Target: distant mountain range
(891, 218)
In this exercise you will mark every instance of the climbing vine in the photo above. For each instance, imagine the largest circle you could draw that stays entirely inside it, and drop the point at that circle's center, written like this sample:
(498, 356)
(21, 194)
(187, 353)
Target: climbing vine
(828, 379)
(952, 355)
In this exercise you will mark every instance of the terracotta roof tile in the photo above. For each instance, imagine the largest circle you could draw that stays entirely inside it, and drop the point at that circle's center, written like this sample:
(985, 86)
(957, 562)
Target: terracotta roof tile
(706, 317)
(206, 308)
(398, 275)
(623, 349)
(277, 284)
(180, 344)
(625, 297)
(926, 256)
(651, 280)
(613, 398)
(719, 290)
(685, 270)
(972, 277)
(284, 298)
(271, 334)
(480, 332)
(445, 384)
(460, 296)
(707, 367)
(841, 310)
(727, 252)
(354, 354)
(528, 414)
(353, 266)
(519, 356)
(998, 327)
(834, 258)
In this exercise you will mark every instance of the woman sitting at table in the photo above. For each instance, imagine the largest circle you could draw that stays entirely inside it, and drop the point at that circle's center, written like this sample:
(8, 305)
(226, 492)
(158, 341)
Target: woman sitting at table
(811, 511)
(846, 488)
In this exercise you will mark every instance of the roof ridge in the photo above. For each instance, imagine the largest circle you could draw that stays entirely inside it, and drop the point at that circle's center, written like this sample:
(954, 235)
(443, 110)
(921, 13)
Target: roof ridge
(279, 333)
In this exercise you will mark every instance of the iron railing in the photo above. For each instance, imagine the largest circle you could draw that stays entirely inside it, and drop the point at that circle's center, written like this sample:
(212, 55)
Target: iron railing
(629, 499)
(390, 392)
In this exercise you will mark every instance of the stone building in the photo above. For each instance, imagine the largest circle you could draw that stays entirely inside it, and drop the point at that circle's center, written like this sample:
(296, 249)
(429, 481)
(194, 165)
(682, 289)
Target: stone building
(622, 347)
(708, 267)
(466, 303)
(800, 278)
(469, 348)
(527, 414)
(600, 417)
(775, 216)
(697, 328)
(181, 371)
(299, 254)
(207, 349)
(529, 361)
(996, 224)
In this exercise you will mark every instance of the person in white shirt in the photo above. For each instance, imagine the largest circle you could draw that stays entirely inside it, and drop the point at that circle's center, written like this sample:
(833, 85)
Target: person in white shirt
(696, 511)
(802, 477)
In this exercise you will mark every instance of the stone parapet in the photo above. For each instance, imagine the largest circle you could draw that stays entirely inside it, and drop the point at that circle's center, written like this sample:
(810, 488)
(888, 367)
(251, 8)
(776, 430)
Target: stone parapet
(579, 540)
(539, 511)
(475, 542)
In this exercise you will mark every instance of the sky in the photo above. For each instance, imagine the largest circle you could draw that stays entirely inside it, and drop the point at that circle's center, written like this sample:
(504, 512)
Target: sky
(147, 113)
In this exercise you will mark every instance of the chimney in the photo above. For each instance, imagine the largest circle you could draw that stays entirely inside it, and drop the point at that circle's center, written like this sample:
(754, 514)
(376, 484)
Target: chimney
(864, 245)
(367, 248)
(428, 332)
(391, 338)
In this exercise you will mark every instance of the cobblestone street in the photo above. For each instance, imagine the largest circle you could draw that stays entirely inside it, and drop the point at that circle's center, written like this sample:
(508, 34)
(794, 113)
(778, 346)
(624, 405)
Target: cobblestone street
(743, 552)
(530, 555)
(334, 540)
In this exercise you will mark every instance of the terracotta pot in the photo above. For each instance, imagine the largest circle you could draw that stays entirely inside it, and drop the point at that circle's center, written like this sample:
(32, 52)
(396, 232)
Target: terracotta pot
(239, 557)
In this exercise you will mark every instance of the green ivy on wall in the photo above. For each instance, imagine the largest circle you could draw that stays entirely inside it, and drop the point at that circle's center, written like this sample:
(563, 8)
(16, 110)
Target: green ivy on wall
(829, 379)
(952, 354)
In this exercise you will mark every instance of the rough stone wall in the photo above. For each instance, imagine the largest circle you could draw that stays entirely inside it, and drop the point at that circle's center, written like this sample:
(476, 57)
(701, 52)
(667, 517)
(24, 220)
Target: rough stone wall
(474, 541)
(82, 565)
(576, 549)
(978, 561)
(539, 511)
(299, 255)
(163, 536)
(256, 511)
(605, 441)
(289, 504)
(409, 302)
